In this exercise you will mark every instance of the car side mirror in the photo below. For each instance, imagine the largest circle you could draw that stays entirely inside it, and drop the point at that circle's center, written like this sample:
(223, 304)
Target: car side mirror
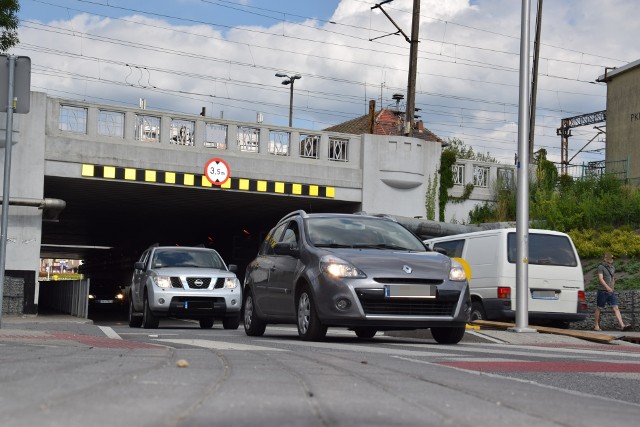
(233, 268)
(439, 250)
(286, 248)
(139, 265)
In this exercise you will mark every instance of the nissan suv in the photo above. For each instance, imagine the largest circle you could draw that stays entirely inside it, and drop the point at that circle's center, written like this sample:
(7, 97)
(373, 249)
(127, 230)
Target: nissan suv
(366, 273)
(184, 282)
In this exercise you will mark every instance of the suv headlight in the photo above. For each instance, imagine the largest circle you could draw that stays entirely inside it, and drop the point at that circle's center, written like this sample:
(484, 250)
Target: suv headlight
(231, 283)
(337, 267)
(162, 281)
(457, 272)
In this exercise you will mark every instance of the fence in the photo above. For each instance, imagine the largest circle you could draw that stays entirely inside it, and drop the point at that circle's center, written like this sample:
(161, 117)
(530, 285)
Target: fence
(65, 296)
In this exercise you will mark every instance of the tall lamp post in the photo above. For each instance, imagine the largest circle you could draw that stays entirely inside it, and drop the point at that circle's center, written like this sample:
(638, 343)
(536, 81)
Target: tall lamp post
(289, 80)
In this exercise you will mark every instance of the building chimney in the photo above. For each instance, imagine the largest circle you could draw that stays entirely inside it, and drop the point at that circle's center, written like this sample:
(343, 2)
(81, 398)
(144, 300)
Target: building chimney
(372, 115)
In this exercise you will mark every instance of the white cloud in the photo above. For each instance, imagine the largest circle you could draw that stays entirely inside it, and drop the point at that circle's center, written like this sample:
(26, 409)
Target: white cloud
(467, 70)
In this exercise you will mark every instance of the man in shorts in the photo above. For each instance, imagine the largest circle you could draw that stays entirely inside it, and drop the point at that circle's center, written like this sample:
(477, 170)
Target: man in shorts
(606, 294)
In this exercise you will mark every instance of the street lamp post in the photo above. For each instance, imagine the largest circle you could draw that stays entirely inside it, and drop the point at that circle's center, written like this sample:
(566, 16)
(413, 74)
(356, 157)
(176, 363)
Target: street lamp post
(289, 80)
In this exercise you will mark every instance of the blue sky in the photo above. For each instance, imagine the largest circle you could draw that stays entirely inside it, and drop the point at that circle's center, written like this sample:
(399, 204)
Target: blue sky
(182, 55)
(225, 13)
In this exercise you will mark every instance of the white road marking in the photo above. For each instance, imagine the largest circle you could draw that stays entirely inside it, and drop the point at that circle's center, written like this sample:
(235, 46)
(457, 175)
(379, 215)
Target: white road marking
(362, 348)
(110, 333)
(218, 345)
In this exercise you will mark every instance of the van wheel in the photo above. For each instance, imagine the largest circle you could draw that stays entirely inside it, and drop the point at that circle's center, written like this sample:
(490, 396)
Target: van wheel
(448, 335)
(477, 311)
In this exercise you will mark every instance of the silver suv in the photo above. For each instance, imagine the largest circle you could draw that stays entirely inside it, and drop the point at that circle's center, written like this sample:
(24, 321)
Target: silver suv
(184, 282)
(366, 273)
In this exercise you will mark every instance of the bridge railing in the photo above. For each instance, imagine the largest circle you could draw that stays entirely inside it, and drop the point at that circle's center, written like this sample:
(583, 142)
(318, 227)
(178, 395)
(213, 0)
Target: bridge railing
(108, 123)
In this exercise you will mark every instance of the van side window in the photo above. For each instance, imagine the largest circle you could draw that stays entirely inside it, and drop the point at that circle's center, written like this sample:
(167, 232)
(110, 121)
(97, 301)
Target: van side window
(545, 249)
(453, 248)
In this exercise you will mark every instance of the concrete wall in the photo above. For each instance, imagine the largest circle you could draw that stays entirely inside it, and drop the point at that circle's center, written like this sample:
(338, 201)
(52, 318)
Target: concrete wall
(623, 120)
(396, 173)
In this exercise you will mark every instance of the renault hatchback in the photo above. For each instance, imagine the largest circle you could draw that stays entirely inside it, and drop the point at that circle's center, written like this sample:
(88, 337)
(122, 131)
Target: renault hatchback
(366, 273)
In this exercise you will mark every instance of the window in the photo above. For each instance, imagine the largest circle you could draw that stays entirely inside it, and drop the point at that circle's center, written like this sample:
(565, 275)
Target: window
(291, 233)
(458, 174)
(452, 248)
(215, 136)
(279, 143)
(248, 139)
(270, 240)
(309, 146)
(338, 150)
(111, 123)
(147, 128)
(505, 178)
(480, 176)
(545, 249)
(182, 132)
(73, 119)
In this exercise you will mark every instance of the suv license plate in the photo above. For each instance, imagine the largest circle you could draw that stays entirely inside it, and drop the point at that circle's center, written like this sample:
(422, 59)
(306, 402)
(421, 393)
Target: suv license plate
(410, 291)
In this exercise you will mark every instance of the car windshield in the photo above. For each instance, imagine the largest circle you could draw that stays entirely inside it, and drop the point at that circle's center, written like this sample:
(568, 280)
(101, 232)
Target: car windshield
(361, 232)
(186, 258)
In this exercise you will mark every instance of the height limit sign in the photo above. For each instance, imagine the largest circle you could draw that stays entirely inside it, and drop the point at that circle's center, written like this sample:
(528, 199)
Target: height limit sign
(217, 171)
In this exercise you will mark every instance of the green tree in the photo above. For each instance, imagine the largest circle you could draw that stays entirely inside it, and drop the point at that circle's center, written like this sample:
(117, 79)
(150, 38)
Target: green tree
(8, 24)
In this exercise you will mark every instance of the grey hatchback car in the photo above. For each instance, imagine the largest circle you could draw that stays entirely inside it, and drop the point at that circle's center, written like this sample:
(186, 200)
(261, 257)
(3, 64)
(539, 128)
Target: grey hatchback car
(365, 273)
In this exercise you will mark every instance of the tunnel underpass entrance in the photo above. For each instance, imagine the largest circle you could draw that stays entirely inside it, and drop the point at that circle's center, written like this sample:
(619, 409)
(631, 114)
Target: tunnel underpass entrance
(108, 223)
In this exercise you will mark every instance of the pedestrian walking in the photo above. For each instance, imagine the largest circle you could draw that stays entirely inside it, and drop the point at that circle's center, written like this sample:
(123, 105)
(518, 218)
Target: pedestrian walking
(606, 292)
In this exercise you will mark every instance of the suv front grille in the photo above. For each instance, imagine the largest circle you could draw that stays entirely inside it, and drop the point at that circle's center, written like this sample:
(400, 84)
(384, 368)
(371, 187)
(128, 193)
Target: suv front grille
(198, 282)
(176, 282)
(219, 283)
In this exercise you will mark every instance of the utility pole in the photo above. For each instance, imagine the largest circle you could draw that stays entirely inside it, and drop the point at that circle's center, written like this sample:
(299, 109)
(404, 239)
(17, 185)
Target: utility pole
(534, 84)
(413, 60)
(413, 66)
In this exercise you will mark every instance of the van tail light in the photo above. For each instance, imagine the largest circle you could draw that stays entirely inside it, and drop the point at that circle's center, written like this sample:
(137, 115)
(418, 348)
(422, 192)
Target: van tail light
(582, 301)
(504, 292)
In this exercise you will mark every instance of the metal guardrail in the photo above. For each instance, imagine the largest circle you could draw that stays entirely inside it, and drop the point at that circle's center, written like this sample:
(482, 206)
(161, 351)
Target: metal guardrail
(66, 296)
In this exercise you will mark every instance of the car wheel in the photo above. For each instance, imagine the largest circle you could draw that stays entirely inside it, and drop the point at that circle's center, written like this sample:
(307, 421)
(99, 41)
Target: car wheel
(477, 311)
(448, 335)
(309, 326)
(206, 323)
(149, 321)
(134, 321)
(254, 326)
(231, 322)
(365, 332)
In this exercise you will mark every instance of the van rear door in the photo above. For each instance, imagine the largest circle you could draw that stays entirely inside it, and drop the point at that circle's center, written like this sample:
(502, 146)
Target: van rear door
(555, 273)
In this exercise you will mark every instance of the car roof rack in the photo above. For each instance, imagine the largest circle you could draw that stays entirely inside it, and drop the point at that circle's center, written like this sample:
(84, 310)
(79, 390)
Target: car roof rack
(291, 214)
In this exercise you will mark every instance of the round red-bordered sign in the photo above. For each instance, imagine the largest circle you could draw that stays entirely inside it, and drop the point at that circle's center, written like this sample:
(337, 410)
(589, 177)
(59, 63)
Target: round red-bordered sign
(217, 171)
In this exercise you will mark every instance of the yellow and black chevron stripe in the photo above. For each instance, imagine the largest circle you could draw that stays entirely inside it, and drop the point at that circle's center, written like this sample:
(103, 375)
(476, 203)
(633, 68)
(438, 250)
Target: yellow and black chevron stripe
(194, 180)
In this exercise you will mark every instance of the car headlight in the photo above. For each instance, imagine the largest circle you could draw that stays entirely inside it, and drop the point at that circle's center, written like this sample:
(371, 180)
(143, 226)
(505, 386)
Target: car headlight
(119, 296)
(457, 272)
(92, 296)
(231, 283)
(162, 281)
(337, 267)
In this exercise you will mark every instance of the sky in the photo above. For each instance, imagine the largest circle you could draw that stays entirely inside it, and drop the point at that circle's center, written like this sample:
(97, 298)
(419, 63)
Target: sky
(183, 55)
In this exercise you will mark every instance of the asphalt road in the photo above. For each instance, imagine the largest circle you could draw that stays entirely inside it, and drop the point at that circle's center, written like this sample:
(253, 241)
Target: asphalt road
(107, 374)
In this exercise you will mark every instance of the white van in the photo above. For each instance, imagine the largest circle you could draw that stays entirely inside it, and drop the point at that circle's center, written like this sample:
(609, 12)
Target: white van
(556, 282)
